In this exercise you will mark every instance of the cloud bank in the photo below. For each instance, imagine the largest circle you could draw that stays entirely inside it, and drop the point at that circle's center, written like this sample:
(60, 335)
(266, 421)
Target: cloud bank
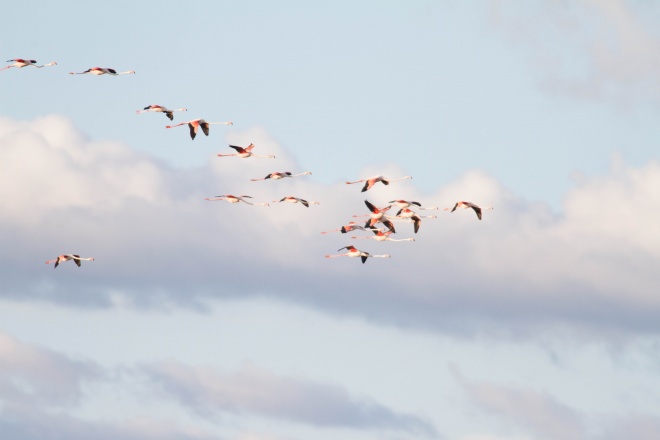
(158, 243)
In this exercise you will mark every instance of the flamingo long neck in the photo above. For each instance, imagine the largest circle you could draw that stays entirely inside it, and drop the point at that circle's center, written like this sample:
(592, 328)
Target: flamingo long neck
(176, 125)
(52, 63)
(401, 178)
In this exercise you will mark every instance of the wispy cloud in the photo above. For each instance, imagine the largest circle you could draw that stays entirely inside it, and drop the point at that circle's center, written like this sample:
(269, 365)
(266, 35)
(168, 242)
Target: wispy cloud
(207, 391)
(41, 391)
(31, 375)
(35, 424)
(529, 410)
(616, 41)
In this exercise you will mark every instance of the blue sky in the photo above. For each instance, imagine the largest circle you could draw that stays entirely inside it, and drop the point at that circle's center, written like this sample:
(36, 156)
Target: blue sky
(202, 320)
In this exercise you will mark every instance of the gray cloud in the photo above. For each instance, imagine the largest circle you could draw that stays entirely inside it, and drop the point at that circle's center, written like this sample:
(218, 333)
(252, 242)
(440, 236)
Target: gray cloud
(540, 414)
(34, 424)
(529, 410)
(637, 426)
(39, 389)
(31, 375)
(207, 391)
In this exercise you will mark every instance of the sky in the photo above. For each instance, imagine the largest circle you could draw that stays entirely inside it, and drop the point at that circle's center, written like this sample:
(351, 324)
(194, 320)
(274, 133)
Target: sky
(202, 320)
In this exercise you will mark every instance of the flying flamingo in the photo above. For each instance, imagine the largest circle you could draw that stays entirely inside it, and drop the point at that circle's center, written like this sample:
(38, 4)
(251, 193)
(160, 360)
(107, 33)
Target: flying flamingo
(351, 226)
(383, 236)
(373, 180)
(66, 257)
(245, 152)
(408, 214)
(279, 175)
(466, 205)
(234, 199)
(353, 252)
(161, 109)
(291, 199)
(377, 215)
(196, 123)
(408, 203)
(20, 63)
(102, 71)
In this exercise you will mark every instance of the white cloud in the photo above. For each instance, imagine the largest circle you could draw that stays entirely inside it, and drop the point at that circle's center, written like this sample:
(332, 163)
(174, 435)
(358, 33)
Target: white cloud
(157, 242)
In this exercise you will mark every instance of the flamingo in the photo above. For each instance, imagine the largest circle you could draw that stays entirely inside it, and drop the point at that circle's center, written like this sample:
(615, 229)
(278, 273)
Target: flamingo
(408, 214)
(66, 257)
(102, 71)
(20, 63)
(291, 199)
(234, 199)
(161, 109)
(353, 252)
(245, 152)
(196, 123)
(466, 205)
(351, 226)
(373, 180)
(383, 236)
(408, 203)
(279, 175)
(378, 215)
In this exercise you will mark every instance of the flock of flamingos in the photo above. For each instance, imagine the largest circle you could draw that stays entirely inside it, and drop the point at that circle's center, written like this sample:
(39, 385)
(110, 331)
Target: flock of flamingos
(376, 216)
